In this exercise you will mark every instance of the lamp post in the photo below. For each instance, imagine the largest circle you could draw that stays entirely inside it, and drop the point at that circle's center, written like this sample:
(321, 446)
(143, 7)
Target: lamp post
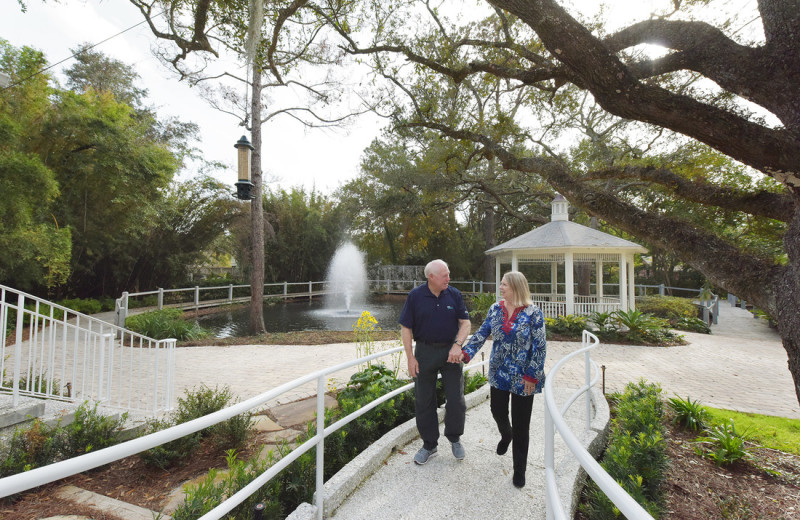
(244, 188)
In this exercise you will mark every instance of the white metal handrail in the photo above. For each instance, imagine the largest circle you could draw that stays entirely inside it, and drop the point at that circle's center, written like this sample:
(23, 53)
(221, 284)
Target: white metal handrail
(77, 358)
(554, 421)
(46, 474)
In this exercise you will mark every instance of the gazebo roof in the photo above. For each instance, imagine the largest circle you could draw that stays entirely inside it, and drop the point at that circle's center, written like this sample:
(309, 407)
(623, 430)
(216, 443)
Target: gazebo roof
(562, 235)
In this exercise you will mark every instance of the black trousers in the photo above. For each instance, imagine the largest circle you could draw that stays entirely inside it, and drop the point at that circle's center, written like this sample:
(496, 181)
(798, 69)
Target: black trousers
(518, 429)
(432, 361)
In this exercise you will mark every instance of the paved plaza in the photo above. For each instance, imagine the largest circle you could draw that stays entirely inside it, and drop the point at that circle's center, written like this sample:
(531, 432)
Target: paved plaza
(741, 366)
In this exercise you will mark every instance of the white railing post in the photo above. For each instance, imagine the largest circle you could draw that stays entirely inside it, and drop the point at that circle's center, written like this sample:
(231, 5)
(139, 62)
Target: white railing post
(160, 298)
(18, 351)
(109, 340)
(285, 289)
(309, 290)
(196, 297)
(101, 369)
(230, 293)
(320, 444)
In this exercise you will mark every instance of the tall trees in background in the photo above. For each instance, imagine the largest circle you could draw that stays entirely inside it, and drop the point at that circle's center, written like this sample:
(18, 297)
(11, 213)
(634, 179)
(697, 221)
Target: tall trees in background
(90, 207)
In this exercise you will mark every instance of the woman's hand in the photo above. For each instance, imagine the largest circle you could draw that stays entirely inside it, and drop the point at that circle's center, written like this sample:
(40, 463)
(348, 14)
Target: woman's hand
(530, 387)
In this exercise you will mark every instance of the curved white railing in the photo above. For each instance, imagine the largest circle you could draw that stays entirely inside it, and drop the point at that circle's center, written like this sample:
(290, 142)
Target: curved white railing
(46, 474)
(554, 421)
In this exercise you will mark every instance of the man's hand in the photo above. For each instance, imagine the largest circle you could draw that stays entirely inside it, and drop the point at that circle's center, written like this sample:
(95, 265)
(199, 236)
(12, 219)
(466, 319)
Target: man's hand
(455, 355)
(413, 367)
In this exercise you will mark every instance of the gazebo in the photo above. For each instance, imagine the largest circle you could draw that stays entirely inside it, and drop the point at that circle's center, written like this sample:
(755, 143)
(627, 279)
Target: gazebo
(568, 249)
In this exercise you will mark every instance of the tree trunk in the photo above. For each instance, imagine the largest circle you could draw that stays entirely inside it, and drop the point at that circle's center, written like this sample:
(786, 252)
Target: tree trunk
(787, 300)
(257, 216)
(489, 225)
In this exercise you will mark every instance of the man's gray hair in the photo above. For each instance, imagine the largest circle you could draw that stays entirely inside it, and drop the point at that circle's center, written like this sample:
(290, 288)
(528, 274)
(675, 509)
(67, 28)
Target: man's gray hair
(433, 264)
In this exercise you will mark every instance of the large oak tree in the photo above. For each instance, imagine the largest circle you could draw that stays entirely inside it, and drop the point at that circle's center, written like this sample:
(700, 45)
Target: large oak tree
(694, 91)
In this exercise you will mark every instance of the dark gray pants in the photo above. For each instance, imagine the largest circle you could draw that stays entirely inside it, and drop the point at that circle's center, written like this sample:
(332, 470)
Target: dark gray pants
(433, 360)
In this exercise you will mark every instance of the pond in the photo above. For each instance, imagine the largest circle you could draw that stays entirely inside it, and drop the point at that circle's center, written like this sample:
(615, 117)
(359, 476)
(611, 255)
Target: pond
(297, 316)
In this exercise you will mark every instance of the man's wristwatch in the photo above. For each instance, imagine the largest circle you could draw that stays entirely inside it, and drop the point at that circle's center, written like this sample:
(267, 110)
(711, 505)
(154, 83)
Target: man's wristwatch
(459, 343)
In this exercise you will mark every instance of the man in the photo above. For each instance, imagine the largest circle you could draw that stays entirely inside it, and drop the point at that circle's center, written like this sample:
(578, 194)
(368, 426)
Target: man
(436, 318)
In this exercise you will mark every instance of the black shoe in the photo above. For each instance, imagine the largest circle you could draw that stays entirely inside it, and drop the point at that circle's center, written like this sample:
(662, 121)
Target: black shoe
(518, 480)
(502, 446)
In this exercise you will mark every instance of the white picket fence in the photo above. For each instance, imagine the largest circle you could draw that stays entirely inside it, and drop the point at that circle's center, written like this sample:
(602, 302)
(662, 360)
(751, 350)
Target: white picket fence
(58, 353)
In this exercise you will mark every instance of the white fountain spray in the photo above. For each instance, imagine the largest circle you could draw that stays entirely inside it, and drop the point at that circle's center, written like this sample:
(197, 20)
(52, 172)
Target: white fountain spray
(347, 280)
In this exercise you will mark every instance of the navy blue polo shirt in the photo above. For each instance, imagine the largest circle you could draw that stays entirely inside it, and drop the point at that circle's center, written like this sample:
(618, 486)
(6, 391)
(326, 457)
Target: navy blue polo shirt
(433, 319)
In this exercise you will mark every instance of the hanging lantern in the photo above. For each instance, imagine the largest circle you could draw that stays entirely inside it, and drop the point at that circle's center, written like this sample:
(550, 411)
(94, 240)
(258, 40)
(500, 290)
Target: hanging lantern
(244, 188)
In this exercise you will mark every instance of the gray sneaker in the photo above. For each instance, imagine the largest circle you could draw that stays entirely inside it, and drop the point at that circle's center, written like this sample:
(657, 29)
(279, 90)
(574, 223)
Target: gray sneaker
(423, 455)
(458, 450)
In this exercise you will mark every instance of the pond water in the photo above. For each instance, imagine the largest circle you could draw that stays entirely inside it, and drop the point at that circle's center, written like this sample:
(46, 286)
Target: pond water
(297, 316)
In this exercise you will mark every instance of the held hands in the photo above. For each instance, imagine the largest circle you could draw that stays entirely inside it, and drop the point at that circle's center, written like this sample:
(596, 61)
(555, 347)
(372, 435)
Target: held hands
(455, 355)
(530, 387)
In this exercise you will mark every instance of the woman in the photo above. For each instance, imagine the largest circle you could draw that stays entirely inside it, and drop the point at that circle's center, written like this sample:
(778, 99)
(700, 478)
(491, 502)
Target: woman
(516, 366)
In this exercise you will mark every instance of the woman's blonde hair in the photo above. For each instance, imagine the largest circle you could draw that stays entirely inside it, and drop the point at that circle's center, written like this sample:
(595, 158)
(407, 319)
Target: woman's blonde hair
(519, 286)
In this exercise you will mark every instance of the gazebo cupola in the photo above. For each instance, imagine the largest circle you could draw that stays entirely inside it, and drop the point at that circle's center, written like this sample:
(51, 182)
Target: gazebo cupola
(566, 262)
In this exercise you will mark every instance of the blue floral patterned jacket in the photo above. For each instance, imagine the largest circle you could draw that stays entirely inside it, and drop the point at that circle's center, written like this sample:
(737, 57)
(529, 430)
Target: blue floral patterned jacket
(518, 349)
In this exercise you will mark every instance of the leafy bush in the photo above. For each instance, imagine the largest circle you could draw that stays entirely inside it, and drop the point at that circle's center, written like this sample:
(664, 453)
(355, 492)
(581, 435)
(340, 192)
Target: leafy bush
(480, 304)
(91, 431)
(687, 413)
(30, 447)
(604, 321)
(474, 380)
(636, 454)
(570, 325)
(84, 306)
(725, 446)
(691, 325)
(198, 403)
(38, 444)
(170, 453)
(208, 494)
(668, 307)
(164, 324)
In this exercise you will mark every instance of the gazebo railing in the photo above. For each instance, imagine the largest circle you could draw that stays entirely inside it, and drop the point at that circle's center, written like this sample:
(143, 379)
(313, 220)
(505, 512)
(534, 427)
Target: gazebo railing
(553, 305)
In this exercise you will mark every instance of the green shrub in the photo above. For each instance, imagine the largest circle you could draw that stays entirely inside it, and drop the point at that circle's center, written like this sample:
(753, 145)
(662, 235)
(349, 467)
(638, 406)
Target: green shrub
(687, 413)
(668, 307)
(604, 321)
(197, 403)
(206, 495)
(636, 454)
(90, 431)
(31, 447)
(164, 324)
(38, 444)
(480, 304)
(570, 325)
(724, 445)
(691, 325)
(84, 306)
(474, 380)
(168, 454)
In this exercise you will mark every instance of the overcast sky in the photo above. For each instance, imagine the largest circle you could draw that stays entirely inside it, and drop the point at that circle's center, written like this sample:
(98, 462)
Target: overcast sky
(293, 155)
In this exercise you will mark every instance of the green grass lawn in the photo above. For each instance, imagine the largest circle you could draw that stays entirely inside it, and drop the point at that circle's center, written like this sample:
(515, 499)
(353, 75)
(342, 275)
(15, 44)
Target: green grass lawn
(769, 431)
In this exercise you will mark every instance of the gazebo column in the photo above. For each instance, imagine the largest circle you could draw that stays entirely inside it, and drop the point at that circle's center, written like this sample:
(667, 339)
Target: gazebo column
(497, 276)
(623, 283)
(631, 284)
(569, 281)
(553, 279)
(598, 276)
